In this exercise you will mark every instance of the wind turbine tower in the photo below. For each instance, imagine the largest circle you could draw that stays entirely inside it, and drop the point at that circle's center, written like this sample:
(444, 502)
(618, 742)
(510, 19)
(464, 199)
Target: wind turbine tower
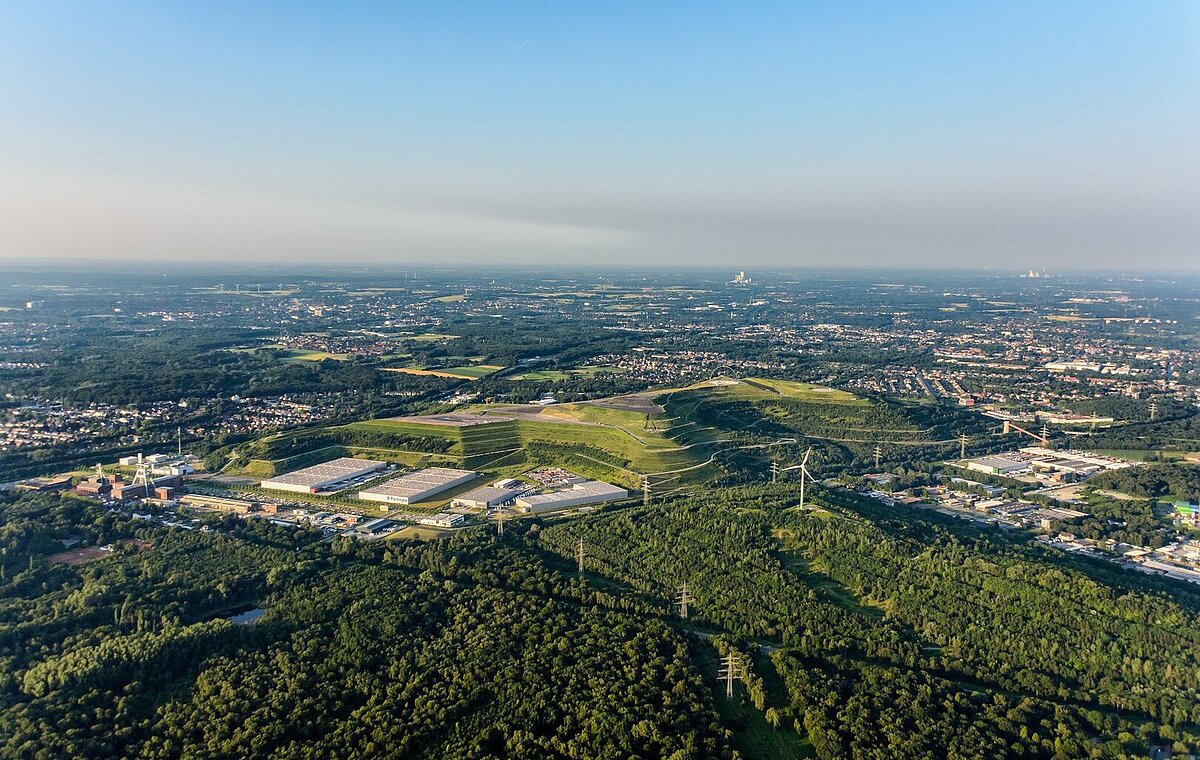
(579, 557)
(804, 475)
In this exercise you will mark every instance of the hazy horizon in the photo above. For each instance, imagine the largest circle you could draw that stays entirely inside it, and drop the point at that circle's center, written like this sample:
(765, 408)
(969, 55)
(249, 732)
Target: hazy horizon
(989, 136)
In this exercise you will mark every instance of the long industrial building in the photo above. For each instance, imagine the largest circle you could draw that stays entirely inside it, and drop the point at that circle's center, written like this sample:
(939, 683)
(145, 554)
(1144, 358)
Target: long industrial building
(330, 476)
(417, 486)
(587, 492)
(486, 497)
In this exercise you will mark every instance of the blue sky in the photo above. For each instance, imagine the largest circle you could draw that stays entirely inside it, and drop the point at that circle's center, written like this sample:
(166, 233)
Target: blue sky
(992, 135)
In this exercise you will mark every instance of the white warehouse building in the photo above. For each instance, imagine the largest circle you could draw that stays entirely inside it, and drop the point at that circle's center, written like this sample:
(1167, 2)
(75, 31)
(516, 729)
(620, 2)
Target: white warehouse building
(324, 477)
(486, 497)
(587, 492)
(417, 486)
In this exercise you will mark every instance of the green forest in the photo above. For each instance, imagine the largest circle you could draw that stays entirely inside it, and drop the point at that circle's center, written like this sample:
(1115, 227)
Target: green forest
(860, 635)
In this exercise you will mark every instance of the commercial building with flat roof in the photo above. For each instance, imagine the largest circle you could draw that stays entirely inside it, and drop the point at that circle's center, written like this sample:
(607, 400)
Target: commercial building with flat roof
(324, 477)
(417, 486)
(997, 465)
(375, 527)
(59, 483)
(221, 503)
(443, 520)
(587, 492)
(489, 496)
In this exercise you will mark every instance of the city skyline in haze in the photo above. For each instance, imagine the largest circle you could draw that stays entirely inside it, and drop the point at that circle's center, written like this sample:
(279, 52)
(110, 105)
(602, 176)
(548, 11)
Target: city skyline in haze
(977, 136)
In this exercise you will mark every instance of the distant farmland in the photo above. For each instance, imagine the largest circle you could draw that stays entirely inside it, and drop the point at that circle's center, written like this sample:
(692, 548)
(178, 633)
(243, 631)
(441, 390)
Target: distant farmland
(473, 372)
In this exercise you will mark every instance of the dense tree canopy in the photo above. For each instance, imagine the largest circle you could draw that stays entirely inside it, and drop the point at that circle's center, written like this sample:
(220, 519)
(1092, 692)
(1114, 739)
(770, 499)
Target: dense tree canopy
(871, 633)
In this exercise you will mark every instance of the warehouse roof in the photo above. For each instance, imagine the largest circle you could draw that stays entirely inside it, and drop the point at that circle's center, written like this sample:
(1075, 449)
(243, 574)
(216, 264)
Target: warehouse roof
(419, 482)
(333, 471)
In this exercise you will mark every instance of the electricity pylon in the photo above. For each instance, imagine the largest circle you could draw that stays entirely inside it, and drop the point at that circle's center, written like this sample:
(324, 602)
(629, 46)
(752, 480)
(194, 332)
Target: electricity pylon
(731, 670)
(683, 597)
(645, 490)
(962, 446)
(878, 454)
(1153, 409)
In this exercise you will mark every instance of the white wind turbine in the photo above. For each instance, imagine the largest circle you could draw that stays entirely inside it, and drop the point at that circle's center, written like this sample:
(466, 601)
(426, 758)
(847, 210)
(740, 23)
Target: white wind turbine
(804, 473)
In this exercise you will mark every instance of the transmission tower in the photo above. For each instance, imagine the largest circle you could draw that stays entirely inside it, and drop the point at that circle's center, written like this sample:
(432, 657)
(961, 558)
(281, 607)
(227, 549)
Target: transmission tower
(579, 556)
(1153, 409)
(683, 597)
(878, 454)
(774, 471)
(731, 670)
(962, 446)
(1046, 434)
(500, 521)
(645, 490)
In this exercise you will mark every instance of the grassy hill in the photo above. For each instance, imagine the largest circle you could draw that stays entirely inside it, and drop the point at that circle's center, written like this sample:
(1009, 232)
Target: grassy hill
(681, 438)
(607, 443)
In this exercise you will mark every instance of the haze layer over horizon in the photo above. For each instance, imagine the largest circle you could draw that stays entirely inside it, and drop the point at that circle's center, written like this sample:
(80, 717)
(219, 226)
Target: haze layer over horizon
(980, 135)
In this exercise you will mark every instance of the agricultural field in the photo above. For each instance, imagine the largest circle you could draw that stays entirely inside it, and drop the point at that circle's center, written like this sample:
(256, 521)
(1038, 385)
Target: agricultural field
(430, 337)
(470, 372)
(304, 355)
(543, 375)
(290, 354)
(553, 375)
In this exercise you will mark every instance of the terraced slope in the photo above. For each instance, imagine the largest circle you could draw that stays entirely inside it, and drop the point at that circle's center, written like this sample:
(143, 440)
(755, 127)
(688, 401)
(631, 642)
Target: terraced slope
(680, 438)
